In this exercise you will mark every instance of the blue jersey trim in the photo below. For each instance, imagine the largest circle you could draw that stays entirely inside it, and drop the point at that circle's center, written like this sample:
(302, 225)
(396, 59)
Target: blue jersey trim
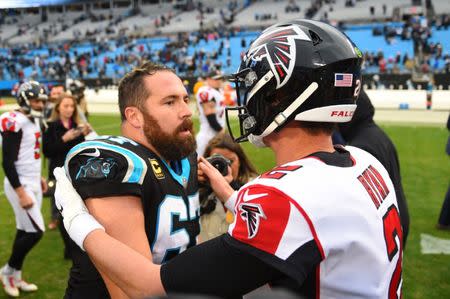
(185, 171)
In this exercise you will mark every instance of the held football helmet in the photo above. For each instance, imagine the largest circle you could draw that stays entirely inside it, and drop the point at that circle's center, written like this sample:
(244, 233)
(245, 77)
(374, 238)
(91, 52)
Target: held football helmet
(76, 88)
(27, 91)
(303, 70)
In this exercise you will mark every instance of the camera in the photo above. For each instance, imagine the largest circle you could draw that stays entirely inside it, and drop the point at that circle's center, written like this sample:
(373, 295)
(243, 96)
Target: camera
(220, 163)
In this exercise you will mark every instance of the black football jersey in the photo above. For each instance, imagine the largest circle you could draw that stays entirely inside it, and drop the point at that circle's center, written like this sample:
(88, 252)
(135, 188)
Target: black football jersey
(115, 166)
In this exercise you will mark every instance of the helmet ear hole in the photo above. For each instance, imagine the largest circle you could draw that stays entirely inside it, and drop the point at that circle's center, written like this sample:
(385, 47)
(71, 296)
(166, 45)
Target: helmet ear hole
(315, 38)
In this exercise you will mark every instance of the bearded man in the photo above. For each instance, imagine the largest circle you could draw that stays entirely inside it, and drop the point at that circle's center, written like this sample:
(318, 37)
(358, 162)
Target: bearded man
(141, 186)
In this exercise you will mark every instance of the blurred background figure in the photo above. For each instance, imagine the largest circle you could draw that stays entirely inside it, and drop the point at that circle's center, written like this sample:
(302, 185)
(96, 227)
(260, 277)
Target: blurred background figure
(214, 217)
(76, 88)
(55, 92)
(444, 217)
(364, 133)
(23, 183)
(211, 110)
(65, 130)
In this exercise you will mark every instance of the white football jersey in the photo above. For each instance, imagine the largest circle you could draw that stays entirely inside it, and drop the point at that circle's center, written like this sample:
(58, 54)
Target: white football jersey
(28, 164)
(207, 94)
(348, 214)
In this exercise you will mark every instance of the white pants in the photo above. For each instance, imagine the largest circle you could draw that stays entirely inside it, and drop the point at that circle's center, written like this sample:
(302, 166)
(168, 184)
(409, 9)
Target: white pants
(203, 137)
(30, 220)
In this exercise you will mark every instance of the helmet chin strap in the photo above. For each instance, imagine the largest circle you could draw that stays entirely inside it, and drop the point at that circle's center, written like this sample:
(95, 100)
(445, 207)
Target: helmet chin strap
(257, 140)
(35, 113)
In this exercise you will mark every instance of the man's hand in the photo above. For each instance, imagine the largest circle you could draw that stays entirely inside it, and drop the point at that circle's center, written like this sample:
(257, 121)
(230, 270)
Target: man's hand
(44, 185)
(219, 183)
(76, 218)
(25, 200)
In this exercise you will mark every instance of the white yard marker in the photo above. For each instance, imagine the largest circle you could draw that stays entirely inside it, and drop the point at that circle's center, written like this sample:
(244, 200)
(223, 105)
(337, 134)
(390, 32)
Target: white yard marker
(433, 245)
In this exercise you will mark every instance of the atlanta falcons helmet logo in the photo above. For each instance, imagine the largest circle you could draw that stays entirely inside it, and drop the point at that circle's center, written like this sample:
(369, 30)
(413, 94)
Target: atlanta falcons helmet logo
(252, 213)
(278, 47)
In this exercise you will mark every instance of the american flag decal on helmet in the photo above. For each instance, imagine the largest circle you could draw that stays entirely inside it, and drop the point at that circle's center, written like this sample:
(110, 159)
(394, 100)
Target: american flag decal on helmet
(278, 47)
(251, 213)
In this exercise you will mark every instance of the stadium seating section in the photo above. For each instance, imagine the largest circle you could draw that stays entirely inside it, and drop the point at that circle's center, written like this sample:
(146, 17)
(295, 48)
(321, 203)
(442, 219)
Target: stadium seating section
(110, 43)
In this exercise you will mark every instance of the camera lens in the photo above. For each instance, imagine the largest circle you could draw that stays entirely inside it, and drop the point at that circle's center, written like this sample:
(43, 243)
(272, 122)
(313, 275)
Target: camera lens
(220, 163)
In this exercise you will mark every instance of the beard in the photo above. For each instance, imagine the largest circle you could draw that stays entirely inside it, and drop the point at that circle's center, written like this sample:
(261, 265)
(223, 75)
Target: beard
(170, 146)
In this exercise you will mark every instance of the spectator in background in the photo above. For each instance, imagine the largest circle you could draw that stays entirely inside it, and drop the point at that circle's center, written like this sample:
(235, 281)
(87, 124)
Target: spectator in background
(77, 88)
(211, 110)
(65, 130)
(214, 216)
(444, 217)
(364, 133)
(55, 92)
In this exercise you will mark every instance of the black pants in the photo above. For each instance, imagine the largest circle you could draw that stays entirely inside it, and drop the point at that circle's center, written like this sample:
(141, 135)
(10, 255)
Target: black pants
(444, 218)
(84, 280)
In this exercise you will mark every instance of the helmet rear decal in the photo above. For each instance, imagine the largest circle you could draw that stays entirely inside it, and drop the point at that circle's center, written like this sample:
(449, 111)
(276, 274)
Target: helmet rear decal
(277, 46)
(343, 80)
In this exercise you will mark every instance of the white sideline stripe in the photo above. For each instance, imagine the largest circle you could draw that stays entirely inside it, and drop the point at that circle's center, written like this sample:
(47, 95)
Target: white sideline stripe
(434, 245)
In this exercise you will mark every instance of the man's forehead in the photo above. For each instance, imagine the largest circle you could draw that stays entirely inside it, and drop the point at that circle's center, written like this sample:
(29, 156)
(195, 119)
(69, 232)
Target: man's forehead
(164, 84)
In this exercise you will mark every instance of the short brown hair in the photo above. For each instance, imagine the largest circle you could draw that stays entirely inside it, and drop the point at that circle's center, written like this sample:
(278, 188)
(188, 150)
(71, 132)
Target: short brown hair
(132, 91)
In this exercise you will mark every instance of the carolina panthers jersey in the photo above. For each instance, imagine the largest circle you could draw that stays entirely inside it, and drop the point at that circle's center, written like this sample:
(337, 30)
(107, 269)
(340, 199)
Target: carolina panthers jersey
(207, 94)
(114, 166)
(334, 231)
(28, 163)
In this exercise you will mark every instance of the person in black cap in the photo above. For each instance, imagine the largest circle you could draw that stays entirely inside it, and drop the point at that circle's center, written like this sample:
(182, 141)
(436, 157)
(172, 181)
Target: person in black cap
(364, 133)
(211, 110)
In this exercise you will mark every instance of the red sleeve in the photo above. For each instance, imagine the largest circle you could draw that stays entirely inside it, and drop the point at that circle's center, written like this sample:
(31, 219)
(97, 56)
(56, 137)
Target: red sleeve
(8, 123)
(262, 215)
(204, 97)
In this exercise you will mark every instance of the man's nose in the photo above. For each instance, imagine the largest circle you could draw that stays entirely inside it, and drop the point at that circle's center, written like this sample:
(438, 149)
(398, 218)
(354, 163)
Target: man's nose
(186, 110)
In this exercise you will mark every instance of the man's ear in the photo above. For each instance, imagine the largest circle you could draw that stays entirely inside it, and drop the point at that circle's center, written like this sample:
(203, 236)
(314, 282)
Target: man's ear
(134, 117)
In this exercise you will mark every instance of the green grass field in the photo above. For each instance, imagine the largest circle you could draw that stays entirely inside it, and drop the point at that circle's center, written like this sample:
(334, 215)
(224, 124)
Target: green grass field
(425, 171)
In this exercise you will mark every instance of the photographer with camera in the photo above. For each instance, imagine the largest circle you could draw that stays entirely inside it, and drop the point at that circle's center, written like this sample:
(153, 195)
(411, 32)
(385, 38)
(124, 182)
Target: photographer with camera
(65, 130)
(229, 158)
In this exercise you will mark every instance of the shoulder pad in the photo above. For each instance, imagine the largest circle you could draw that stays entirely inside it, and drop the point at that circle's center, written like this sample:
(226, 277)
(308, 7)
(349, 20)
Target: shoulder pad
(10, 122)
(98, 160)
(204, 95)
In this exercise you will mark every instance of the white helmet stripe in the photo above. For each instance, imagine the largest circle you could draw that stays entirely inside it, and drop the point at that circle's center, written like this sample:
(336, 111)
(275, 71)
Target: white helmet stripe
(334, 113)
(282, 116)
(264, 80)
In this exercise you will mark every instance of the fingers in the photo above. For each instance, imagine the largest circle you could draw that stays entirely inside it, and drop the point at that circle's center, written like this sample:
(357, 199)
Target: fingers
(28, 206)
(59, 173)
(204, 165)
(61, 179)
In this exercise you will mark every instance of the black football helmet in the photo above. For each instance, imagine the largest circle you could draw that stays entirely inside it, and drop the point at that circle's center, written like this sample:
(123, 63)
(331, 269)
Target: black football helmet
(76, 88)
(303, 70)
(27, 91)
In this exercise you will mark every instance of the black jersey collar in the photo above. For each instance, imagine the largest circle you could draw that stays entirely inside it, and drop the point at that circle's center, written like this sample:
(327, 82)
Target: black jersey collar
(340, 157)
